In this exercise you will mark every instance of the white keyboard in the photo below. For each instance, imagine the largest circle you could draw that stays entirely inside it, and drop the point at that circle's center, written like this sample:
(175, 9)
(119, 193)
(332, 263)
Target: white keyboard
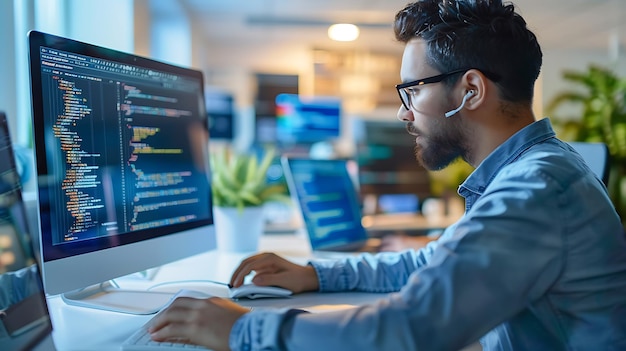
(140, 340)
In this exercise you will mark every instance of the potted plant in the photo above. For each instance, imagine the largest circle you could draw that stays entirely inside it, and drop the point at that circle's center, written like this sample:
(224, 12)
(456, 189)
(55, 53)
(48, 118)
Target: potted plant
(602, 101)
(240, 189)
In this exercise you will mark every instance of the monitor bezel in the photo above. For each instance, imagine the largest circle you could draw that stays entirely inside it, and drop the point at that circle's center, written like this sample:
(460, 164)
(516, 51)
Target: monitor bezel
(128, 253)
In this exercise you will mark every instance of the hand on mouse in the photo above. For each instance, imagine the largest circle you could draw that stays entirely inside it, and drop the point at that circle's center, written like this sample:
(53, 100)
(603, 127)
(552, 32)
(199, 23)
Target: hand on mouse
(193, 321)
(274, 270)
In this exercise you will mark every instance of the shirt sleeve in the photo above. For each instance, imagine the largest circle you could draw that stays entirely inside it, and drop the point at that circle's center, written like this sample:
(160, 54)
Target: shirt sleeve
(505, 253)
(383, 272)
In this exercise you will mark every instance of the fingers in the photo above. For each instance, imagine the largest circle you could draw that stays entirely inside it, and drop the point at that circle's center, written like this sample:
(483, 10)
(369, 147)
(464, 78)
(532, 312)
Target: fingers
(299, 279)
(271, 269)
(261, 263)
(173, 332)
(275, 279)
(242, 270)
(206, 322)
(177, 312)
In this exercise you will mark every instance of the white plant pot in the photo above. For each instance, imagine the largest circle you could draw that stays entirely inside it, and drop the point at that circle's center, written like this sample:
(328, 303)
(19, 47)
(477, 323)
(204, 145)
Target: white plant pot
(238, 230)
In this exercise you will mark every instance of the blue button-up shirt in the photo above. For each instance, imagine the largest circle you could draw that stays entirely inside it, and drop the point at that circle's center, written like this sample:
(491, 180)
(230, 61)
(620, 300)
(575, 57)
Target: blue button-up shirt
(537, 262)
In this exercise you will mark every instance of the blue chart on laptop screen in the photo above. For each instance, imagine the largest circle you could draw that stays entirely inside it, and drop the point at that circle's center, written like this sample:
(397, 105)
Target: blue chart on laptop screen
(328, 201)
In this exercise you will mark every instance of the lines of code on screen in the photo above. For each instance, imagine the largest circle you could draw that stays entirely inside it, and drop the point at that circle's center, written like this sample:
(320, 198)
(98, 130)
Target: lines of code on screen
(121, 147)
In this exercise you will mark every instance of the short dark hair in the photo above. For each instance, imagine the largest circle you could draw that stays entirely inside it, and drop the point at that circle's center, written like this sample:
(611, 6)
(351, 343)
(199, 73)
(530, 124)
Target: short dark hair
(484, 34)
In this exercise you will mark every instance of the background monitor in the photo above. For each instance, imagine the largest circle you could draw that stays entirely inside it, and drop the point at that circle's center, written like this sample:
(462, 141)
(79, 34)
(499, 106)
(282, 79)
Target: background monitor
(122, 159)
(387, 166)
(220, 108)
(268, 86)
(304, 120)
(324, 192)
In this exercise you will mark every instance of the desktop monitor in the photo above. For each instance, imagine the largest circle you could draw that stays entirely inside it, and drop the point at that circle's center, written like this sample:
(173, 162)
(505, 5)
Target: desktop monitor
(302, 120)
(121, 147)
(387, 168)
(220, 107)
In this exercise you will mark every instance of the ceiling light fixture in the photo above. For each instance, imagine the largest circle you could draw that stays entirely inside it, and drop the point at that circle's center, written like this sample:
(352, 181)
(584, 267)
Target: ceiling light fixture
(343, 32)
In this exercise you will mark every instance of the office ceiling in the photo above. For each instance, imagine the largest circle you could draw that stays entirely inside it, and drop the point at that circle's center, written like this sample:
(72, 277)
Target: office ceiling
(559, 24)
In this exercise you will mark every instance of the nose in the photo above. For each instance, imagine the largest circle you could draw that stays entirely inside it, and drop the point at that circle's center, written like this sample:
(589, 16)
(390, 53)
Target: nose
(405, 115)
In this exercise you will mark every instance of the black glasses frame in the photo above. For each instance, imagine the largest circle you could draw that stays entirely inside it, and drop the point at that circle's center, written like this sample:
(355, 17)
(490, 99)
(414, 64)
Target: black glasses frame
(404, 95)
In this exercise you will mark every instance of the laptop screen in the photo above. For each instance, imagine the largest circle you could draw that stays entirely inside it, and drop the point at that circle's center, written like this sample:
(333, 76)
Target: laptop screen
(24, 318)
(328, 201)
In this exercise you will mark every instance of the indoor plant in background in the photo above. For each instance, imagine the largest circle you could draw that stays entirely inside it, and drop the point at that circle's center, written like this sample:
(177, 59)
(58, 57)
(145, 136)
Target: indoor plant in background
(602, 118)
(240, 189)
(444, 185)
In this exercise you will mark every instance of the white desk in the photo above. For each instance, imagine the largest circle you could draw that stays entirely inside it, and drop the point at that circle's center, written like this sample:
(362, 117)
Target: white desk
(78, 328)
(84, 329)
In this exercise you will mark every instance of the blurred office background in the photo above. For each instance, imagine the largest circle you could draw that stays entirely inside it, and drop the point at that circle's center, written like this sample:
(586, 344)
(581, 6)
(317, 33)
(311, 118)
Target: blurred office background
(250, 51)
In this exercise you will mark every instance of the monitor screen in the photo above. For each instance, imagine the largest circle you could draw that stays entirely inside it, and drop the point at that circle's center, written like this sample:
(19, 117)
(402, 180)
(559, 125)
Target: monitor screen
(386, 161)
(328, 202)
(307, 120)
(220, 108)
(121, 147)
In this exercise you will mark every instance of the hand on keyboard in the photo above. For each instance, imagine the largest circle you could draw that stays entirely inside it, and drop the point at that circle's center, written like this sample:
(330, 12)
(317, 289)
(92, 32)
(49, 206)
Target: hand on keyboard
(204, 322)
(141, 340)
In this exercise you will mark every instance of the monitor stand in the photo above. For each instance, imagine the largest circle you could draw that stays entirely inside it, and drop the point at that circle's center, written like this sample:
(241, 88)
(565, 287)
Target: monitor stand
(109, 296)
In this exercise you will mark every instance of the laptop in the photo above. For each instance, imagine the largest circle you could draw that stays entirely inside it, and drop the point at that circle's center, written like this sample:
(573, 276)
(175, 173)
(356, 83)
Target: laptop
(328, 201)
(24, 317)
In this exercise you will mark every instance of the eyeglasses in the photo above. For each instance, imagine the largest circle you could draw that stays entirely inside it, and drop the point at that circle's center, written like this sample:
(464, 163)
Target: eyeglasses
(406, 93)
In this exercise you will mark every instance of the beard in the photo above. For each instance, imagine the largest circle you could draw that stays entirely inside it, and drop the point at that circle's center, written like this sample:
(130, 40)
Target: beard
(444, 143)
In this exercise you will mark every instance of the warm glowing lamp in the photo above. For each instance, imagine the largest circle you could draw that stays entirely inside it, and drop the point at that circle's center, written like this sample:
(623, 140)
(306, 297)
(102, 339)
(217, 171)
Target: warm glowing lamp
(343, 32)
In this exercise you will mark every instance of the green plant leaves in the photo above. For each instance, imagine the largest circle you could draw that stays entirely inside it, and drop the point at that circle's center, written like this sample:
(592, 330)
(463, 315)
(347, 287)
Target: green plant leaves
(239, 180)
(601, 95)
(602, 98)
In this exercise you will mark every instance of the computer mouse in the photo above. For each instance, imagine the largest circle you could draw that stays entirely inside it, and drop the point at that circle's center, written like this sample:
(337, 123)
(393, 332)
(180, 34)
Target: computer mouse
(251, 291)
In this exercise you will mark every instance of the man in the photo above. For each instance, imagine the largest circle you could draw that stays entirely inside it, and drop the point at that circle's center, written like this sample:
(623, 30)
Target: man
(538, 261)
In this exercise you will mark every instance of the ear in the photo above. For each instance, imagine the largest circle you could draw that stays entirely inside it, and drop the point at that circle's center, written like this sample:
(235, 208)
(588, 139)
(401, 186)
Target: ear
(476, 81)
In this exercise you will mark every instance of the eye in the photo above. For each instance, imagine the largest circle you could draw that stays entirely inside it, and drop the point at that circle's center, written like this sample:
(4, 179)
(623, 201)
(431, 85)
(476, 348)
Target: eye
(411, 91)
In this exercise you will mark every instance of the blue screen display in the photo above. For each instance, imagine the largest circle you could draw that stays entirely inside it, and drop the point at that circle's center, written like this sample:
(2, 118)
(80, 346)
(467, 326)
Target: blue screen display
(328, 200)
(307, 120)
(220, 107)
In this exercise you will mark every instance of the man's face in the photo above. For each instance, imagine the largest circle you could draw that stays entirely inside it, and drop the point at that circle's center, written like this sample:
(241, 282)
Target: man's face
(439, 140)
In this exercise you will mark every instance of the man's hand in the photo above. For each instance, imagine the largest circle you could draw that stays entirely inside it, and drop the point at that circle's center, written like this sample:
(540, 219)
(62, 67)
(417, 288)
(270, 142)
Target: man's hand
(273, 270)
(205, 322)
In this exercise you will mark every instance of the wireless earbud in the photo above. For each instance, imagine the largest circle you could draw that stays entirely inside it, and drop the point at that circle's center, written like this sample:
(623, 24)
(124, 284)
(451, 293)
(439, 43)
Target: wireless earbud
(467, 96)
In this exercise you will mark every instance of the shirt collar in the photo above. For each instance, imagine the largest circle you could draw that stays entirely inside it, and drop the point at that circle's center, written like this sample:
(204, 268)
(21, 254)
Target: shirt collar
(506, 153)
